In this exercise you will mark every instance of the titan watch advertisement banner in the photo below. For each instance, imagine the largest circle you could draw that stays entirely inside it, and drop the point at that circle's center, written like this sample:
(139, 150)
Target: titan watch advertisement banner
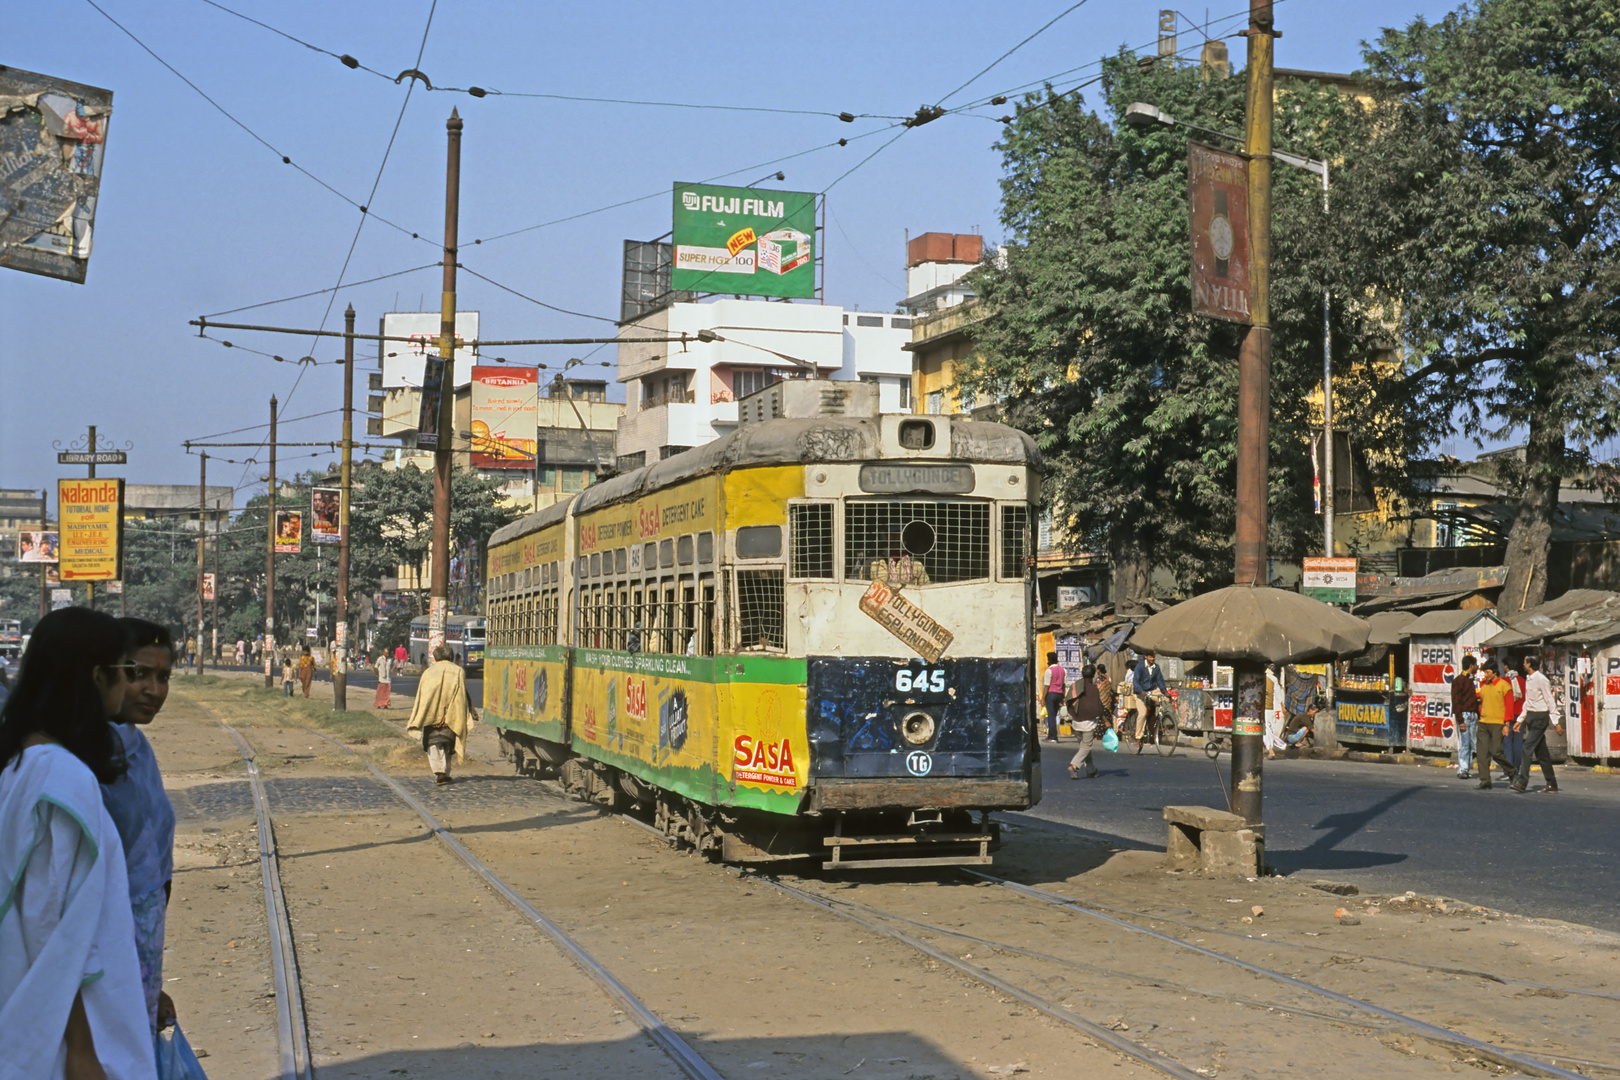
(1218, 188)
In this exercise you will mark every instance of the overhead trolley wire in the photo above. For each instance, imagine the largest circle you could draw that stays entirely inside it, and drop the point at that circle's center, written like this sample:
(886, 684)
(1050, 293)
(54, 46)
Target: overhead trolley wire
(261, 140)
(375, 183)
(345, 59)
(322, 292)
(1066, 11)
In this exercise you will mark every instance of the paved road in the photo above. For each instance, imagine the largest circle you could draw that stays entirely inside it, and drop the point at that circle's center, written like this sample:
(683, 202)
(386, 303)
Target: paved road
(1384, 827)
(366, 681)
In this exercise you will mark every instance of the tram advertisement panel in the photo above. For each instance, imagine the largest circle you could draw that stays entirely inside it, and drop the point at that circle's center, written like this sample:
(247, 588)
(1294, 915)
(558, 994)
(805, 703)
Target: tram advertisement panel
(528, 694)
(690, 508)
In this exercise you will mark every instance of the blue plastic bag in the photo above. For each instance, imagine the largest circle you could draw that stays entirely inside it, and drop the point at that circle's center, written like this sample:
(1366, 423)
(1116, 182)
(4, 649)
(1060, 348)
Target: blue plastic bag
(1110, 741)
(175, 1060)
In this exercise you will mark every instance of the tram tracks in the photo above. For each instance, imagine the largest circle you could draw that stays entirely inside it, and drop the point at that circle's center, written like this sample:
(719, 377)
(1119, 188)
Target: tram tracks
(1093, 1020)
(292, 1023)
(1358, 1015)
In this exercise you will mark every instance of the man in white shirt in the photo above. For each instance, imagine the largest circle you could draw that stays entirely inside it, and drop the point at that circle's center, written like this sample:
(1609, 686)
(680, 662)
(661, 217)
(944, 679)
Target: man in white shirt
(1539, 708)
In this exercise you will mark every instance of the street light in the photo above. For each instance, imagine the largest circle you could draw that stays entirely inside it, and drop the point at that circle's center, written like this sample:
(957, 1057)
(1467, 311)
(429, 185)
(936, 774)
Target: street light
(1141, 115)
(778, 175)
(710, 335)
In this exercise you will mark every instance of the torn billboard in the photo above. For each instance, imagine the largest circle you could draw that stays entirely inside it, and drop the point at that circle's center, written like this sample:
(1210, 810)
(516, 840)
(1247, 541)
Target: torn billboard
(52, 136)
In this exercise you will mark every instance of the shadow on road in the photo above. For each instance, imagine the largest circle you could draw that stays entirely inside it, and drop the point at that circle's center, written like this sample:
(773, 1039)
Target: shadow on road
(1323, 853)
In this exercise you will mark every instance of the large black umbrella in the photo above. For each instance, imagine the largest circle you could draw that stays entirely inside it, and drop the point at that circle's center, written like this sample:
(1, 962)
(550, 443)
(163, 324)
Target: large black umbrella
(1254, 623)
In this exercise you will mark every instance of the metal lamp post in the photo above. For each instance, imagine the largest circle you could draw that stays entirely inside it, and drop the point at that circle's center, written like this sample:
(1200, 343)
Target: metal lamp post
(1142, 115)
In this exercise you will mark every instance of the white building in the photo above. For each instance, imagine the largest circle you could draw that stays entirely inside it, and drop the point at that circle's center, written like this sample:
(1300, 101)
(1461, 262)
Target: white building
(683, 394)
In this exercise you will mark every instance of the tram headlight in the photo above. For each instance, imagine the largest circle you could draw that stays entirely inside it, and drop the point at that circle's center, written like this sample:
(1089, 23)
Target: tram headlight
(917, 728)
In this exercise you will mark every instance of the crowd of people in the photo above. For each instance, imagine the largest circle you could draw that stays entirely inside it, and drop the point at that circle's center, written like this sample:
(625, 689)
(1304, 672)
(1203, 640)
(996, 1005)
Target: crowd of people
(1502, 717)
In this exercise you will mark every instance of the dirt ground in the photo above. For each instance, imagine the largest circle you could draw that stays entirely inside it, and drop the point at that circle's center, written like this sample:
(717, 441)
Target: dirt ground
(411, 966)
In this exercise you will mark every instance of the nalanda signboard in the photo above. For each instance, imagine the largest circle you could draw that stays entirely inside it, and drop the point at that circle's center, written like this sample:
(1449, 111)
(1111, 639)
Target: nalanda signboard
(744, 241)
(90, 518)
(52, 137)
(1333, 581)
(1218, 187)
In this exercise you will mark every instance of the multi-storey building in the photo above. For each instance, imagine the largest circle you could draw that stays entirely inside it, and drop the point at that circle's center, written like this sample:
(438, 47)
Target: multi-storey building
(683, 393)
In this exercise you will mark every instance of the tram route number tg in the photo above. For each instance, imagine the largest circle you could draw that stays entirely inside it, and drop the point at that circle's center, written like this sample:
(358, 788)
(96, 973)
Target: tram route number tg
(925, 681)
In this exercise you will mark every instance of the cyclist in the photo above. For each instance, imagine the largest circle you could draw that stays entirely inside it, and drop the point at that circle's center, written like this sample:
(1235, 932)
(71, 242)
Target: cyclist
(1152, 693)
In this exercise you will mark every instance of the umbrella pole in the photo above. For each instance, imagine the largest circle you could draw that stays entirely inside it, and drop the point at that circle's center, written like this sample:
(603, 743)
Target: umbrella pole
(1248, 735)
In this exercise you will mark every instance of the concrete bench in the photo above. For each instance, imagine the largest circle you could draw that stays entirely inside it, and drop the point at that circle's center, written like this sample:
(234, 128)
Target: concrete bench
(1214, 841)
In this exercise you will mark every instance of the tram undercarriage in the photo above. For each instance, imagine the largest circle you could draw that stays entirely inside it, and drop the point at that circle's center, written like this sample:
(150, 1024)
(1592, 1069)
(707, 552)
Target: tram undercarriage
(848, 825)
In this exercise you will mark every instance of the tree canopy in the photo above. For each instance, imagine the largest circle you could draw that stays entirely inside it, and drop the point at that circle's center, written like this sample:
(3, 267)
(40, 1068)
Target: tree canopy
(1480, 206)
(1088, 340)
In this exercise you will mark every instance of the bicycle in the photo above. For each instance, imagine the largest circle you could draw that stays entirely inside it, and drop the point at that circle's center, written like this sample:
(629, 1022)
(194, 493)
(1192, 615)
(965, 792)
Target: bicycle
(1161, 727)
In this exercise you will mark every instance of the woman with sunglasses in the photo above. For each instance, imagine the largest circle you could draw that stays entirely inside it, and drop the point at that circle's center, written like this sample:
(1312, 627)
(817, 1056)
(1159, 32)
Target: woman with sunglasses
(71, 1001)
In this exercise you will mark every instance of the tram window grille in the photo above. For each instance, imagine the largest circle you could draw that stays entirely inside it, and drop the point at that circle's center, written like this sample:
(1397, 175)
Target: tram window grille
(1014, 540)
(760, 598)
(916, 543)
(812, 525)
(671, 634)
(706, 647)
(689, 615)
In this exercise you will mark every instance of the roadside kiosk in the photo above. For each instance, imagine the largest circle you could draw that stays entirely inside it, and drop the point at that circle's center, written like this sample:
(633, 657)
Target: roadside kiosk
(1577, 637)
(1436, 643)
(1370, 697)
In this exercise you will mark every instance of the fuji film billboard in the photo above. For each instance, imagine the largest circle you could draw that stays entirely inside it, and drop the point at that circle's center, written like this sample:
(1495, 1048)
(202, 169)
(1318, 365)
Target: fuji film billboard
(744, 240)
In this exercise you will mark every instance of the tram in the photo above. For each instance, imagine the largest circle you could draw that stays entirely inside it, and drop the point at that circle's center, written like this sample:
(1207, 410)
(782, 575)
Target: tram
(809, 638)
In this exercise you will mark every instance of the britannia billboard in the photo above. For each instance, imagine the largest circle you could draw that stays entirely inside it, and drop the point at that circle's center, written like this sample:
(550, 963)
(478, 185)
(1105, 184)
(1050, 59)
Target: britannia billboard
(1218, 183)
(52, 134)
(90, 517)
(743, 240)
(505, 417)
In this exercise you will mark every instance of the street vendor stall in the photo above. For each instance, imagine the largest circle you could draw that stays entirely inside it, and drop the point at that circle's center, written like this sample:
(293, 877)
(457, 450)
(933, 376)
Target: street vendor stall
(1369, 689)
(1436, 643)
(1577, 637)
(1204, 700)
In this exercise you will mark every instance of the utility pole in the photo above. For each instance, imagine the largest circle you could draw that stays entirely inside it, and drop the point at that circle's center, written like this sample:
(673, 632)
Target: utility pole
(44, 526)
(89, 586)
(1254, 413)
(214, 613)
(340, 671)
(202, 545)
(270, 561)
(447, 389)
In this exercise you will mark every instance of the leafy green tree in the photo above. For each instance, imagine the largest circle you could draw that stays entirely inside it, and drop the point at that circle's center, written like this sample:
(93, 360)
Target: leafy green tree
(1089, 342)
(1482, 207)
(391, 521)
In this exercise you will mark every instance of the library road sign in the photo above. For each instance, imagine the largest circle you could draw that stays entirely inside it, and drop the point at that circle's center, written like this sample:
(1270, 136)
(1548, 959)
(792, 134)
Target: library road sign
(92, 457)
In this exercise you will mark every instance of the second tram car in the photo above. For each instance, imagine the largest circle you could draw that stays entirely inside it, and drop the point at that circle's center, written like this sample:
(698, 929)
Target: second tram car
(811, 637)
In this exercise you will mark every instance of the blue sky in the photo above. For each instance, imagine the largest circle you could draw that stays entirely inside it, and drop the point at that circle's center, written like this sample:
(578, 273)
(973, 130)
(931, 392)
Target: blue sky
(196, 217)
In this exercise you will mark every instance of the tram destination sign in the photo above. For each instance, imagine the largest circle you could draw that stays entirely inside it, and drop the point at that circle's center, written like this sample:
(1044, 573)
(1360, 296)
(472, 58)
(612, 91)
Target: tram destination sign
(906, 621)
(903, 477)
(92, 457)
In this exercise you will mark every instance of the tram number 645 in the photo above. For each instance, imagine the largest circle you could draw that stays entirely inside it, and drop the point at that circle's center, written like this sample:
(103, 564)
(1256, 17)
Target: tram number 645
(922, 682)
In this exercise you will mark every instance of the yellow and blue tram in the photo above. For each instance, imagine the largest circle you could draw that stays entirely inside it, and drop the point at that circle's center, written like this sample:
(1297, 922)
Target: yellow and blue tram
(809, 637)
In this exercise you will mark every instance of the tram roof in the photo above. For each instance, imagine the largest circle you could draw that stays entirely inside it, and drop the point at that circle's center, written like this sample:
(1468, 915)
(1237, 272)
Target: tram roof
(779, 442)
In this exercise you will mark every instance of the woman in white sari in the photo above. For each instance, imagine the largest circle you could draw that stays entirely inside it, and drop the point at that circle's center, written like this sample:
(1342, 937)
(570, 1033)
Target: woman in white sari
(71, 1002)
